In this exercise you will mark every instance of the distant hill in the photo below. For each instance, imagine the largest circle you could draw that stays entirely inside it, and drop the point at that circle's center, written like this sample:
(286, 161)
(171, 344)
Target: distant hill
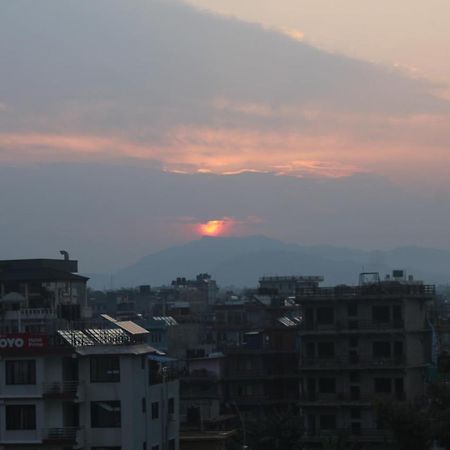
(240, 261)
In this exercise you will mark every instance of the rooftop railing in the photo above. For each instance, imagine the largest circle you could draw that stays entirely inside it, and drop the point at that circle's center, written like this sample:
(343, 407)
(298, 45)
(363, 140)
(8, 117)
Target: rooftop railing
(372, 290)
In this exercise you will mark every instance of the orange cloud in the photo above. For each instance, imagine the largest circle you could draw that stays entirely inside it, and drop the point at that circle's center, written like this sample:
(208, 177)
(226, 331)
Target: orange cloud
(331, 145)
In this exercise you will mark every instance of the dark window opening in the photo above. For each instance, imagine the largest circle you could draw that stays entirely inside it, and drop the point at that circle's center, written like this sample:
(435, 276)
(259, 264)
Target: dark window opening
(381, 349)
(20, 371)
(352, 310)
(382, 385)
(327, 385)
(325, 315)
(105, 369)
(327, 422)
(155, 410)
(381, 314)
(20, 417)
(105, 414)
(171, 406)
(325, 349)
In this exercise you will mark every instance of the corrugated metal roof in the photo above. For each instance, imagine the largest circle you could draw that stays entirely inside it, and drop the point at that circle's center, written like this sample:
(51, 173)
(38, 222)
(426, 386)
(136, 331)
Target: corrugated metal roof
(137, 349)
(131, 327)
(169, 320)
(76, 338)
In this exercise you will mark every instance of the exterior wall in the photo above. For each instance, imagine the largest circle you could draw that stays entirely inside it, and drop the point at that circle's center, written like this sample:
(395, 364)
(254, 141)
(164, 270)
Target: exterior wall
(55, 411)
(355, 367)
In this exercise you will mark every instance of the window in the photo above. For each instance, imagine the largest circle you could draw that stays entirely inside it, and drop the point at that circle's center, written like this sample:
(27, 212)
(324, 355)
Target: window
(155, 447)
(382, 385)
(355, 377)
(380, 314)
(144, 405)
(355, 393)
(381, 349)
(171, 406)
(155, 410)
(172, 444)
(398, 349)
(20, 417)
(105, 369)
(327, 422)
(325, 349)
(105, 414)
(355, 413)
(352, 310)
(325, 315)
(20, 371)
(353, 341)
(327, 385)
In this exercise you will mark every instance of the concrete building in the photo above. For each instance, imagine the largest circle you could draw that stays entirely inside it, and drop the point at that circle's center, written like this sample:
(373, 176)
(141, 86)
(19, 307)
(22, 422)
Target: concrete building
(67, 382)
(361, 344)
(86, 389)
(36, 291)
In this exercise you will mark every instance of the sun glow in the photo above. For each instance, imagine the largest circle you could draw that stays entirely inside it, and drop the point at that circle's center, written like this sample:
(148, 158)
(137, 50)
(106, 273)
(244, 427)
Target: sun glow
(212, 228)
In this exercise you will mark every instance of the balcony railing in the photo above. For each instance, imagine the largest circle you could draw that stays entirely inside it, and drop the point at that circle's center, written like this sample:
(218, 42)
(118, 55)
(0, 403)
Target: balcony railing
(354, 324)
(60, 388)
(367, 434)
(349, 363)
(59, 435)
(30, 314)
(372, 290)
(273, 372)
(261, 399)
(349, 397)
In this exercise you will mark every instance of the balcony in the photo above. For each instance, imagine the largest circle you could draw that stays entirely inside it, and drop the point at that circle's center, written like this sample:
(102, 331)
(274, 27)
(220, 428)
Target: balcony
(351, 398)
(60, 436)
(371, 291)
(363, 434)
(352, 363)
(61, 389)
(264, 399)
(352, 325)
(30, 314)
(262, 373)
(255, 350)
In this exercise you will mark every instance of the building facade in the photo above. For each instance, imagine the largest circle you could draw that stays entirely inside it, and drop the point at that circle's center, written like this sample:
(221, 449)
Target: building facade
(360, 345)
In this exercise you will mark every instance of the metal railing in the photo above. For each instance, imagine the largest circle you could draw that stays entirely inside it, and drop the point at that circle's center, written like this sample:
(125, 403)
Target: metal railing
(372, 290)
(60, 388)
(352, 434)
(348, 397)
(344, 362)
(353, 324)
(62, 434)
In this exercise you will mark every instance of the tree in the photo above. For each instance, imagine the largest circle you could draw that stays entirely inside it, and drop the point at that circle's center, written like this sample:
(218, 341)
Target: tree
(410, 425)
(279, 431)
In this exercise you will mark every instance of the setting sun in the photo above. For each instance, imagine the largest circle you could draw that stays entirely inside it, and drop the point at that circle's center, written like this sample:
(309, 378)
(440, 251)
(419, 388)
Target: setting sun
(212, 228)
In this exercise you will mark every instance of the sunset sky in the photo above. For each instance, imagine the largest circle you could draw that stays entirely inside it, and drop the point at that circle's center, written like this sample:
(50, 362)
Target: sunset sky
(310, 89)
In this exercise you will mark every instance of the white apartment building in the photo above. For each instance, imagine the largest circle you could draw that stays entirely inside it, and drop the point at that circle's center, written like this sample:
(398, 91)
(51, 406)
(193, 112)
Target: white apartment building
(96, 389)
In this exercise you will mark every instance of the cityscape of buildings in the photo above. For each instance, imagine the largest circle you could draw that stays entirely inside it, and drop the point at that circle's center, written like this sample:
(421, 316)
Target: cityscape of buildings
(190, 366)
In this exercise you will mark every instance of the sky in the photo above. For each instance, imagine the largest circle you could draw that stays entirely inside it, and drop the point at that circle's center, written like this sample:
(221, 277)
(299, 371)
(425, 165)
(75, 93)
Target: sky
(411, 35)
(310, 91)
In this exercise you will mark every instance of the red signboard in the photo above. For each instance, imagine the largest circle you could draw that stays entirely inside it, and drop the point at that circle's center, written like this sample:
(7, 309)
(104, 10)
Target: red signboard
(23, 341)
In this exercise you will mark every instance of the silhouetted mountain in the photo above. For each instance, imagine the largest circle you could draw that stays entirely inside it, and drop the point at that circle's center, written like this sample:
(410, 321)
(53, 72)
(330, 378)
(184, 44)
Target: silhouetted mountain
(240, 261)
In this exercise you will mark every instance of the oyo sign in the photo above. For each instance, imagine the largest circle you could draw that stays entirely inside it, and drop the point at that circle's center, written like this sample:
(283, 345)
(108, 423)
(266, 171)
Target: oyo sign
(11, 342)
(22, 341)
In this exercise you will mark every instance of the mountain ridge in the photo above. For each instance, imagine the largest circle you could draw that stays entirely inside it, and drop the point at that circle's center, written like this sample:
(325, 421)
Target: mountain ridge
(240, 261)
